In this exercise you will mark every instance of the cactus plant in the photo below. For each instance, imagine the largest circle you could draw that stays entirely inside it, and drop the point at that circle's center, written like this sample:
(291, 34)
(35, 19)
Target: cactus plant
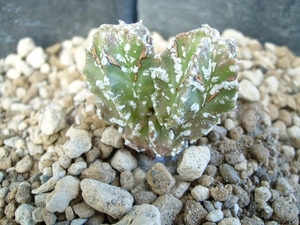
(160, 102)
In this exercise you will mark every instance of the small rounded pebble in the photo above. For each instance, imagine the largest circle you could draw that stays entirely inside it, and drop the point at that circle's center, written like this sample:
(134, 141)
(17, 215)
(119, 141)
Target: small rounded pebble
(105, 198)
(36, 58)
(123, 160)
(200, 193)
(23, 214)
(262, 195)
(25, 46)
(160, 179)
(294, 134)
(248, 91)
(215, 215)
(52, 119)
(112, 137)
(127, 180)
(193, 163)
(101, 171)
(24, 165)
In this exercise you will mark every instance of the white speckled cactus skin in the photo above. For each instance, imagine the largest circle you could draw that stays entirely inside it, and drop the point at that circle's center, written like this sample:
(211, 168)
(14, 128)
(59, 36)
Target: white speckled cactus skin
(159, 103)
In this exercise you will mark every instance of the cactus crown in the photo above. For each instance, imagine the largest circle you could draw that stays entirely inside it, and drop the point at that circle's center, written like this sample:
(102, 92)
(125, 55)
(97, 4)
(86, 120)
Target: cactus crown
(160, 102)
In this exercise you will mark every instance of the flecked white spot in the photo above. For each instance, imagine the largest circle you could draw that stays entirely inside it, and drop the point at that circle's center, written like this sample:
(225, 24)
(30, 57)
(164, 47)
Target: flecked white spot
(195, 107)
(127, 47)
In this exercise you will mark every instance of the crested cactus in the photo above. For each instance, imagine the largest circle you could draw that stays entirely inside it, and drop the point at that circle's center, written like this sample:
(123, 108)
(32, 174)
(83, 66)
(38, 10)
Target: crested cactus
(160, 102)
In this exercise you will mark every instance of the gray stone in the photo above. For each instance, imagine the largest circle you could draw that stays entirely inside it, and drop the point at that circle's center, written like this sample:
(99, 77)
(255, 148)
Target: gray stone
(200, 193)
(112, 137)
(193, 213)
(23, 194)
(262, 195)
(144, 214)
(169, 207)
(105, 198)
(100, 171)
(193, 162)
(24, 165)
(229, 174)
(215, 215)
(77, 168)
(160, 179)
(144, 197)
(79, 143)
(123, 160)
(284, 210)
(294, 134)
(283, 186)
(23, 214)
(127, 180)
(66, 189)
(52, 119)
(83, 210)
(230, 221)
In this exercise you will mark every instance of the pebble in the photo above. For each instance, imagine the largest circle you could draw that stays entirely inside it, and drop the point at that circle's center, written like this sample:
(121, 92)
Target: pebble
(160, 179)
(37, 215)
(260, 153)
(25, 46)
(284, 211)
(262, 195)
(80, 142)
(23, 214)
(229, 174)
(193, 162)
(230, 221)
(200, 193)
(76, 168)
(220, 193)
(283, 186)
(193, 213)
(169, 207)
(288, 151)
(83, 210)
(215, 215)
(294, 135)
(286, 117)
(101, 171)
(248, 91)
(144, 197)
(34, 149)
(123, 160)
(66, 189)
(13, 74)
(36, 58)
(143, 214)
(127, 180)
(23, 194)
(112, 137)
(105, 198)
(24, 165)
(272, 84)
(254, 76)
(180, 187)
(52, 119)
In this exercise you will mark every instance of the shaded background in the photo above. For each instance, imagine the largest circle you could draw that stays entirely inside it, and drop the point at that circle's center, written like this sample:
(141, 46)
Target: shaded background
(52, 21)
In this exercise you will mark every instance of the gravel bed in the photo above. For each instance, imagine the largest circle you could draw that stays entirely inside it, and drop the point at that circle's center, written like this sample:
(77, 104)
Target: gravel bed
(60, 164)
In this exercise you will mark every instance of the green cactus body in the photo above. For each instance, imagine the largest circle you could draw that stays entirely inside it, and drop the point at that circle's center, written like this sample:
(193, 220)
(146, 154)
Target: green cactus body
(161, 102)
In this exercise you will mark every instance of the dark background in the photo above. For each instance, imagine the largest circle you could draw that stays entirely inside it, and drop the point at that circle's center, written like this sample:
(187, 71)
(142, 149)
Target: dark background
(52, 21)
